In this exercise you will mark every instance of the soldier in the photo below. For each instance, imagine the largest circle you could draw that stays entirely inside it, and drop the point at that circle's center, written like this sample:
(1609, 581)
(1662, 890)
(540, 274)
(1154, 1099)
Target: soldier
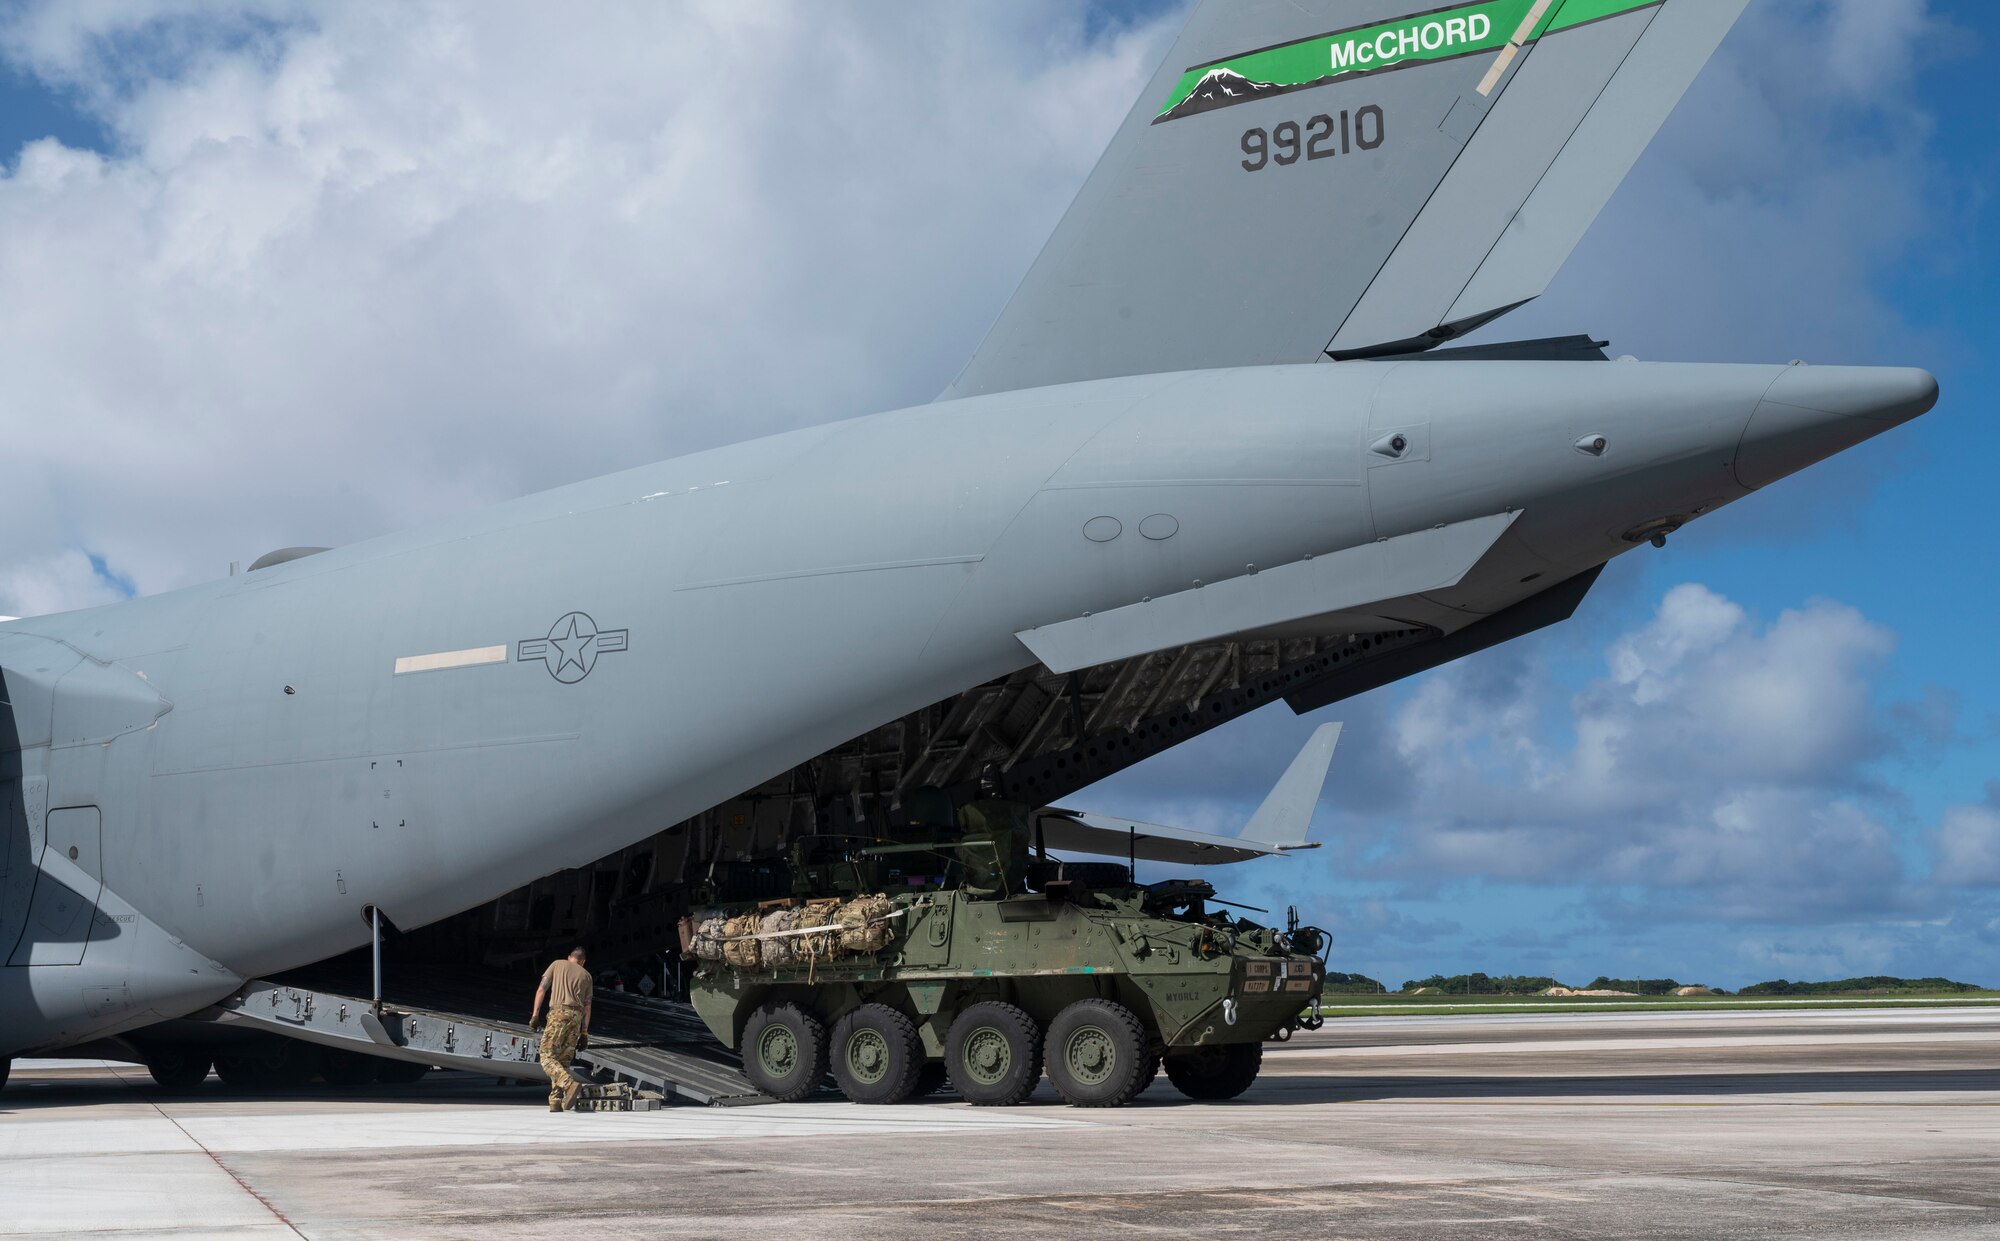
(566, 985)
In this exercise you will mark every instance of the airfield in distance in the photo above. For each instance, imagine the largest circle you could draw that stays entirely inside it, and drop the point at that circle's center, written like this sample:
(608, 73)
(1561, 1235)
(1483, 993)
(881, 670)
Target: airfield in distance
(1811, 1120)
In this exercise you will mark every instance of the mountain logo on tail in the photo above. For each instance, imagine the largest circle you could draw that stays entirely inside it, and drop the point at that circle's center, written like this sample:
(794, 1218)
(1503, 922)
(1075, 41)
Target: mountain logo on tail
(1403, 42)
(1218, 88)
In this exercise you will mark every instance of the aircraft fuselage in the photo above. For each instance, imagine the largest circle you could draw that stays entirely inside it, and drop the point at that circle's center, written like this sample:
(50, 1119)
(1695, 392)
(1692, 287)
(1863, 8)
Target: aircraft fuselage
(423, 721)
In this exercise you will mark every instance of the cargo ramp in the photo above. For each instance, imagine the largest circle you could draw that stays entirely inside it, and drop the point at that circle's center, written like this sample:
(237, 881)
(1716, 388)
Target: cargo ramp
(645, 1044)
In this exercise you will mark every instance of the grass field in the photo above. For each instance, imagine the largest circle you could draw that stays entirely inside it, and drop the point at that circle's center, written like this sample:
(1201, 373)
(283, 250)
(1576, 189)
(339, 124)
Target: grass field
(1396, 1004)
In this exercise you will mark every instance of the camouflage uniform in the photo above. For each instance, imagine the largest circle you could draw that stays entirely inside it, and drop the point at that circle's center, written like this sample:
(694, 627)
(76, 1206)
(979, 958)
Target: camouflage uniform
(559, 1048)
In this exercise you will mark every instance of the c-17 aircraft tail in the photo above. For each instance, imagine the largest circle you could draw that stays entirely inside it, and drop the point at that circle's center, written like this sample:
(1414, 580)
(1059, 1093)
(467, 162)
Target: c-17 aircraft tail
(1313, 179)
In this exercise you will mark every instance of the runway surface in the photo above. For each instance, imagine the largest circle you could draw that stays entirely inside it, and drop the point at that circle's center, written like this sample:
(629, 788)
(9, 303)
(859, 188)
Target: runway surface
(1699, 1125)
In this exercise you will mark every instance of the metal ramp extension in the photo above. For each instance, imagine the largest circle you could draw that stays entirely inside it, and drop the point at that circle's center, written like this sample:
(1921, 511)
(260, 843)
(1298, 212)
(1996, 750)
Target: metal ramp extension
(647, 1044)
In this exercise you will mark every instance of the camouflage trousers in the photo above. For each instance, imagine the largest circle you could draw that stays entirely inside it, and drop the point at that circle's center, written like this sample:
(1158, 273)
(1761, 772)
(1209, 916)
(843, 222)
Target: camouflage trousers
(559, 1047)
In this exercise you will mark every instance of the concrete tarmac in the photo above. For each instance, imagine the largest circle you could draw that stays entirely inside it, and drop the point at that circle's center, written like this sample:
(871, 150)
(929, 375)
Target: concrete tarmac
(1700, 1125)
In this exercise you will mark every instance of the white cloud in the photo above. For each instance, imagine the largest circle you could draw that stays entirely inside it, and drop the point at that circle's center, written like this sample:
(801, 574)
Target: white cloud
(1843, 953)
(349, 268)
(1692, 620)
(48, 583)
(1795, 175)
(1968, 842)
(1716, 758)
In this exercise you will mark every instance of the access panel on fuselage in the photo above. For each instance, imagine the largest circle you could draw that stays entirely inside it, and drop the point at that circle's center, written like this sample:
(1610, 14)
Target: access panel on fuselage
(66, 889)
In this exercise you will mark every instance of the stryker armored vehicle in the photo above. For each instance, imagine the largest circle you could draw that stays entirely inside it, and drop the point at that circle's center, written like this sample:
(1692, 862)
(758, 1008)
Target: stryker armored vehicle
(894, 964)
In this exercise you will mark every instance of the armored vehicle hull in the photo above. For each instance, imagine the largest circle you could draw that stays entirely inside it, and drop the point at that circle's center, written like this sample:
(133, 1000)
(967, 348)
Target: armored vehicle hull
(1098, 986)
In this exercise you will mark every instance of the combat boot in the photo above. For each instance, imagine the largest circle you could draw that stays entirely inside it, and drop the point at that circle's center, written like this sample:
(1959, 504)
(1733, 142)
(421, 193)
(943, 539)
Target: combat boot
(570, 1094)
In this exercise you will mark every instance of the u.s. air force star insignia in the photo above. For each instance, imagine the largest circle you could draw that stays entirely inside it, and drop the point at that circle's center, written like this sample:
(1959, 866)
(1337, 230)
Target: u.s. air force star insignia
(572, 647)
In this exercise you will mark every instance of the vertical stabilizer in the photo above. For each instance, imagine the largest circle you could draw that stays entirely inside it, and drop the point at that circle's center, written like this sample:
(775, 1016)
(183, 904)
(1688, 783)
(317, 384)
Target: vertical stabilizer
(1344, 178)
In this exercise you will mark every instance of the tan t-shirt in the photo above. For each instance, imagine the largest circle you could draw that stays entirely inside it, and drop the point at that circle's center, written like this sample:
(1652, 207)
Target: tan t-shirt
(568, 983)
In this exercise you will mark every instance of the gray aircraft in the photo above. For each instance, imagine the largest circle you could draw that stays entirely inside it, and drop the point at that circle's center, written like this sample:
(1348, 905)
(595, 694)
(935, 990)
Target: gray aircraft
(1209, 456)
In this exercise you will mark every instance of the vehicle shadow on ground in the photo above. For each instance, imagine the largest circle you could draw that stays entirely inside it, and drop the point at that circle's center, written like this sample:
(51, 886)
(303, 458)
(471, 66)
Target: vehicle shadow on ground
(1304, 1088)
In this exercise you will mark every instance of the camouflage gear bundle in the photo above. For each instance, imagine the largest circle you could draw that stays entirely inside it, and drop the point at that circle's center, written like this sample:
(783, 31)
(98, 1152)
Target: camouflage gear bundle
(864, 926)
(779, 950)
(817, 947)
(771, 939)
(708, 932)
(739, 943)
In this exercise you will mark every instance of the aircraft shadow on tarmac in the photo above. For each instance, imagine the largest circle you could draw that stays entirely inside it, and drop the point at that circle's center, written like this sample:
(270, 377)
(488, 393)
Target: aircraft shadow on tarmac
(28, 1094)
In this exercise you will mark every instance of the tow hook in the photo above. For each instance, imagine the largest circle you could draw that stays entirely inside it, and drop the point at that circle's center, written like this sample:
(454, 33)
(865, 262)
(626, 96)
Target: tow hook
(1312, 1020)
(1229, 1012)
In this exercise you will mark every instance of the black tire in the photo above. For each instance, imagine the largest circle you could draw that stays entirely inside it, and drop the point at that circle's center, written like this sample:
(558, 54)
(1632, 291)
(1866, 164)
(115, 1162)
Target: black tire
(349, 1068)
(240, 1070)
(931, 1080)
(178, 1070)
(876, 1055)
(399, 1072)
(293, 1065)
(279, 1064)
(784, 1051)
(993, 1053)
(1217, 1072)
(1097, 1054)
(6, 1067)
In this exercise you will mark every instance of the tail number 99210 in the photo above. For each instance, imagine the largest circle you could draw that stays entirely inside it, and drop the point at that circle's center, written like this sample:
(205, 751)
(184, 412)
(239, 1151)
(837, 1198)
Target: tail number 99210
(1322, 137)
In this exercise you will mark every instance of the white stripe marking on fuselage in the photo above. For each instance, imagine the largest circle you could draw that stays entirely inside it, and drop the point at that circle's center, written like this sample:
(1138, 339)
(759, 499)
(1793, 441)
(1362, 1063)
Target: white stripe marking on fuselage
(471, 657)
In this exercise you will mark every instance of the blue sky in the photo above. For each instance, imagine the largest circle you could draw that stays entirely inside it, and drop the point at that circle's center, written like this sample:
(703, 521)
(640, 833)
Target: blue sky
(241, 251)
(1891, 533)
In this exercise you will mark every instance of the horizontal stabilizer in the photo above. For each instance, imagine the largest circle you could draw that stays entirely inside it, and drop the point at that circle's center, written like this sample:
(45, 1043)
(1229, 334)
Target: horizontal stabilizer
(1078, 831)
(1278, 827)
(1351, 578)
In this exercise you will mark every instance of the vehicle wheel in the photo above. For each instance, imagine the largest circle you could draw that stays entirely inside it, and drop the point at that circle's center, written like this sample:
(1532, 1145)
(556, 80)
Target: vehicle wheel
(994, 1054)
(178, 1070)
(784, 1051)
(349, 1068)
(398, 1072)
(1097, 1054)
(876, 1056)
(6, 1067)
(1222, 1071)
(931, 1080)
